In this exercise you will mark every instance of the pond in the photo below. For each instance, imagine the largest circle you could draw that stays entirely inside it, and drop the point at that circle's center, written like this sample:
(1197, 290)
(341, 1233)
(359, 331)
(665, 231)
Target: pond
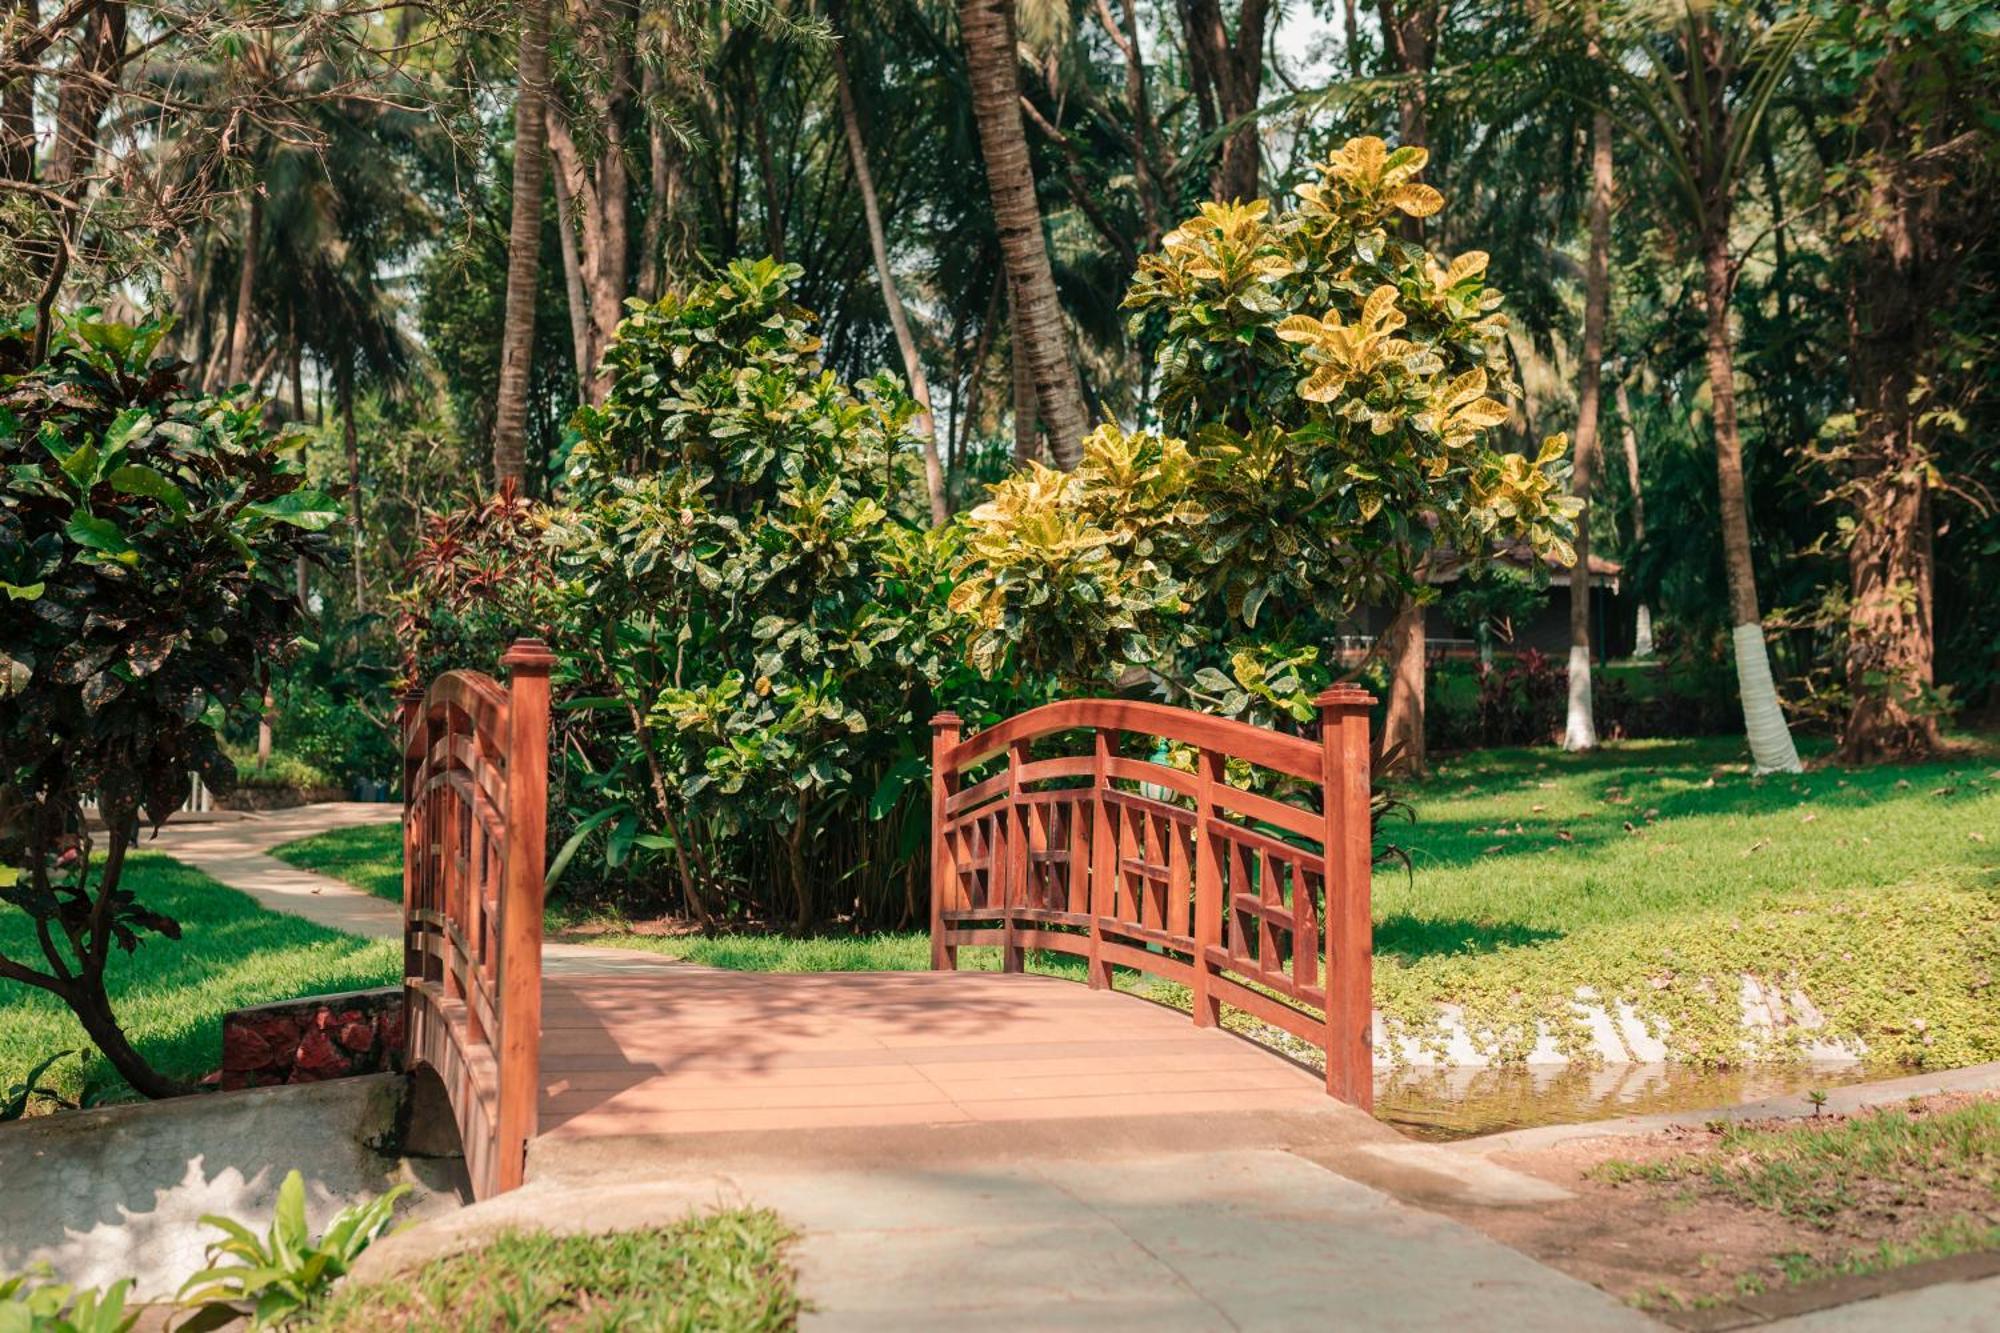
(1442, 1104)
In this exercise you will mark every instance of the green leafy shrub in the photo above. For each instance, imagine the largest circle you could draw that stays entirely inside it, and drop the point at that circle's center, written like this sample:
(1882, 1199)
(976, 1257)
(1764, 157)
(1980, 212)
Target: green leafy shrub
(148, 536)
(1327, 384)
(273, 1278)
(14, 1103)
(35, 1303)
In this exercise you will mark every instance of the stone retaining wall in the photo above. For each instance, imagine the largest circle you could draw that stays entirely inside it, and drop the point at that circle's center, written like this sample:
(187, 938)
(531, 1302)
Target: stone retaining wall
(312, 1040)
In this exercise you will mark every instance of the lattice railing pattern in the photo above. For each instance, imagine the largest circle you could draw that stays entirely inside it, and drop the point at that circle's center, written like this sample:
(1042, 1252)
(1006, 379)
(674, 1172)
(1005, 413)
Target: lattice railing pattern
(475, 797)
(1252, 901)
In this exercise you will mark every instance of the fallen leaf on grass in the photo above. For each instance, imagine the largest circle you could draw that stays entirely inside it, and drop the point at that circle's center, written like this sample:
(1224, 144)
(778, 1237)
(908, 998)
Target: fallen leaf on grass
(1757, 846)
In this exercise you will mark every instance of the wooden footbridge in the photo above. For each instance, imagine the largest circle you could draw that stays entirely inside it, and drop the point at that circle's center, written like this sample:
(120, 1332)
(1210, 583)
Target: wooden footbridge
(1257, 900)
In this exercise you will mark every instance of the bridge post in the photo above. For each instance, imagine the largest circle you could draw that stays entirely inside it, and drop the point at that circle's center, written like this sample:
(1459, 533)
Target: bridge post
(1350, 939)
(1103, 854)
(944, 865)
(520, 990)
(1208, 908)
(409, 717)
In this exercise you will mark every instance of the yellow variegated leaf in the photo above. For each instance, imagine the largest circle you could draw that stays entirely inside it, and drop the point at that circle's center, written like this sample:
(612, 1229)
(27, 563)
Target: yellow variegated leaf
(1465, 388)
(1381, 307)
(1418, 201)
(1371, 505)
(1554, 447)
(1323, 385)
(1469, 264)
(1404, 163)
(1301, 329)
(1481, 412)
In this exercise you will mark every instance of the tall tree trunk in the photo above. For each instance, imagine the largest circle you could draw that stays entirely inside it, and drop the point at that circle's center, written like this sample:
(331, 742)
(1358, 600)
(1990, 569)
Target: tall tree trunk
(86, 85)
(1403, 723)
(1409, 38)
(241, 329)
(17, 101)
(1890, 667)
(579, 314)
(660, 240)
(344, 387)
(1771, 748)
(1039, 337)
(1642, 635)
(603, 196)
(1230, 69)
(1580, 729)
(524, 247)
(1124, 34)
(1027, 425)
(899, 320)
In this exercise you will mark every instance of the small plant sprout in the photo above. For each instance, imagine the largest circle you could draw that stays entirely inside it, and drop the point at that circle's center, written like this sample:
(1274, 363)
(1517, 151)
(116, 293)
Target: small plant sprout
(1818, 1099)
(272, 1278)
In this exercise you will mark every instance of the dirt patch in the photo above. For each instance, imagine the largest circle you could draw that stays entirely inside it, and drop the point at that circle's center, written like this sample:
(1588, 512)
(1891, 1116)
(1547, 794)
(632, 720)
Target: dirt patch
(1699, 1215)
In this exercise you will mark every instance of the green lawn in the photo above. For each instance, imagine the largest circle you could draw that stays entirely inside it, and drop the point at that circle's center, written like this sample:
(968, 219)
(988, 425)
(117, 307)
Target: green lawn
(726, 1271)
(172, 995)
(1654, 872)
(368, 856)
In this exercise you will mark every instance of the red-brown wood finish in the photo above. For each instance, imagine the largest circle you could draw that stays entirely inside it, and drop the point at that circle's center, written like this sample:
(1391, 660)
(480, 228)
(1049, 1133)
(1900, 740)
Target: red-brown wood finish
(1258, 901)
(475, 798)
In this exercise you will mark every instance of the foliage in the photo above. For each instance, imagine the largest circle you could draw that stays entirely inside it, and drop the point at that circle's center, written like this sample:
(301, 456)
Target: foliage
(277, 1277)
(148, 535)
(35, 1303)
(1330, 378)
(751, 634)
(726, 1270)
(22, 1095)
(331, 703)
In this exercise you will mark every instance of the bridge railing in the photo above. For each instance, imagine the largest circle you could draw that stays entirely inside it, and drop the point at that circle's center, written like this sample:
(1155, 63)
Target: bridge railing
(475, 784)
(1256, 900)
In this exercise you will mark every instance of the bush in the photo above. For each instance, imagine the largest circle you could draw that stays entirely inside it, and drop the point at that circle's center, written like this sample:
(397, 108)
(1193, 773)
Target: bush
(1327, 380)
(147, 540)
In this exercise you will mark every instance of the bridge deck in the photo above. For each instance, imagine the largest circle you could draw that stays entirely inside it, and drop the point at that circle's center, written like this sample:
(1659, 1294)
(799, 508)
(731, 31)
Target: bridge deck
(690, 1051)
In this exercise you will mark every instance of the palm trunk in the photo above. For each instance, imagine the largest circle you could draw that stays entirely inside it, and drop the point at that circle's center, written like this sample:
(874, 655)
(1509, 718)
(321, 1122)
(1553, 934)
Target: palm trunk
(1771, 748)
(1580, 730)
(899, 320)
(579, 316)
(1642, 635)
(659, 242)
(990, 51)
(524, 247)
(1890, 650)
(246, 289)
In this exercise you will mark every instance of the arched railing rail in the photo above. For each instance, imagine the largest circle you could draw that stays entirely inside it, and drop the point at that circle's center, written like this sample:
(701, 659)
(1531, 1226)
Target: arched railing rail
(1256, 900)
(475, 806)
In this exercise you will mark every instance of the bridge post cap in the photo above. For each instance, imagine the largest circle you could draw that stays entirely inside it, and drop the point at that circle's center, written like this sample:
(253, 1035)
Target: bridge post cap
(529, 655)
(942, 721)
(1345, 696)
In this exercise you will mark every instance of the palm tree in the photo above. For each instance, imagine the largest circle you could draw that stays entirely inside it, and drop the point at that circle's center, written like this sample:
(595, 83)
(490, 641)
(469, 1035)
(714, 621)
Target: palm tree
(1702, 102)
(524, 244)
(987, 27)
(1580, 729)
(899, 319)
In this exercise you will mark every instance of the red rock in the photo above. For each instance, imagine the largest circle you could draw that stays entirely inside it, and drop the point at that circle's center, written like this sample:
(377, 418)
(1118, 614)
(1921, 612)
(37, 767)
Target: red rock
(317, 1056)
(390, 1027)
(357, 1036)
(259, 1043)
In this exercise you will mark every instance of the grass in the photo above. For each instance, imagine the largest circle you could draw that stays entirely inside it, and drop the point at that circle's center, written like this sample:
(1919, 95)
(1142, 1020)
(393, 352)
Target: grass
(368, 856)
(1816, 1173)
(725, 1271)
(1927, 1174)
(172, 995)
(1655, 873)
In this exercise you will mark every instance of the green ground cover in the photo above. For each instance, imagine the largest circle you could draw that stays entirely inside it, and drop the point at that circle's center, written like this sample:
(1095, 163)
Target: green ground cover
(172, 995)
(1656, 873)
(725, 1271)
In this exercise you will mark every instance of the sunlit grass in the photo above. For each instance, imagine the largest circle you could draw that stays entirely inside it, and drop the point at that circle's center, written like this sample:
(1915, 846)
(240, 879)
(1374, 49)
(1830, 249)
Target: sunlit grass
(171, 995)
(368, 856)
